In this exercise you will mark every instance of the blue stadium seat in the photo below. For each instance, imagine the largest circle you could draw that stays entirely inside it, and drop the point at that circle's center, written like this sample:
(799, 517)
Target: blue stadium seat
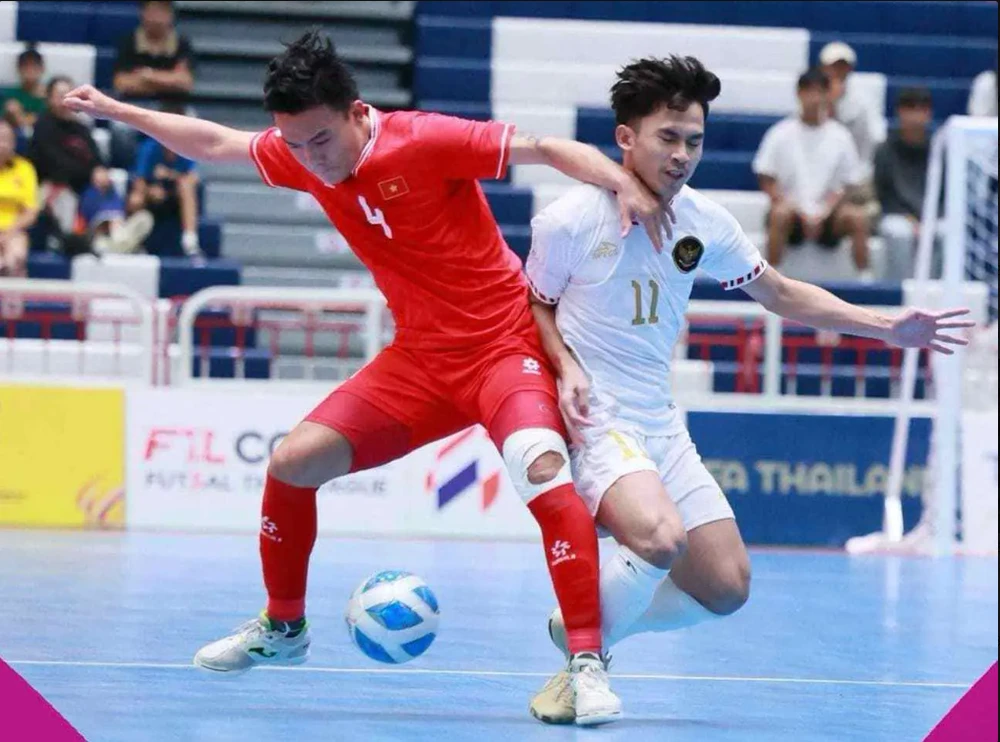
(938, 17)
(462, 38)
(225, 335)
(67, 23)
(510, 205)
(222, 363)
(518, 237)
(104, 67)
(45, 264)
(182, 277)
(59, 329)
(99, 24)
(451, 79)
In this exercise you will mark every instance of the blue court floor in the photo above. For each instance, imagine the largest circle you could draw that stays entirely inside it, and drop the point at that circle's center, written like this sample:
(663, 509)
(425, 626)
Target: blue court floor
(829, 647)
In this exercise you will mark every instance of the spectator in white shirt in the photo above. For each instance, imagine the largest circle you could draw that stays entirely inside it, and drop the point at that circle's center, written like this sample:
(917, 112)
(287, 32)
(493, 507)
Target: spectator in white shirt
(983, 95)
(808, 165)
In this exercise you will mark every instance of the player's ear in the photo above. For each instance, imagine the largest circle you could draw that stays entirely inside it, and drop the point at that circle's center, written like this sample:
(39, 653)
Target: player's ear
(625, 137)
(357, 111)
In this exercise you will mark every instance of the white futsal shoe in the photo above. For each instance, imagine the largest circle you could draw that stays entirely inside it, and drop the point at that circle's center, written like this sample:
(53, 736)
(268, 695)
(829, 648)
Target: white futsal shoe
(579, 694)
(260, 641)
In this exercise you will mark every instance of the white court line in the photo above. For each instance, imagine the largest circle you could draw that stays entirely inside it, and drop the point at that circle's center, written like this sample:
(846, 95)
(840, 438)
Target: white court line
(494, 674)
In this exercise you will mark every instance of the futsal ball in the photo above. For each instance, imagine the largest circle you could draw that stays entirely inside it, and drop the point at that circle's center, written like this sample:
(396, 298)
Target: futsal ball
(392, 617)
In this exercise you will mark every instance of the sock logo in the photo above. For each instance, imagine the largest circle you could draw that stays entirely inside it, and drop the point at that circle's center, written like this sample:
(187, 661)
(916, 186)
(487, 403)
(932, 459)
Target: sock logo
(269, 529)
(562, 551)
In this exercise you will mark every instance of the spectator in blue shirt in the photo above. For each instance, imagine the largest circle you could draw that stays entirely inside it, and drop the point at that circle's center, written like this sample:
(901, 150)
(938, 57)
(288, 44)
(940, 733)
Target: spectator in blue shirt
(104, 219)
(167, 185)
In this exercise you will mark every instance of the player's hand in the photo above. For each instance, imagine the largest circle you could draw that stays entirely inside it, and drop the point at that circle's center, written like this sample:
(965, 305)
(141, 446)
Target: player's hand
(91, 101)
(574, 401)
(636, 201)
(918, 328)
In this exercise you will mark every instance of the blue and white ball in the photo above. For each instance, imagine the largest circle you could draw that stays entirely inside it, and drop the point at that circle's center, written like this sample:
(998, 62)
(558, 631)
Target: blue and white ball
(392, 617)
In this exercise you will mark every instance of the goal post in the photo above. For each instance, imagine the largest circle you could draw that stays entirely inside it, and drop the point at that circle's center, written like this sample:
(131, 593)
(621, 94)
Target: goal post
(963, 161)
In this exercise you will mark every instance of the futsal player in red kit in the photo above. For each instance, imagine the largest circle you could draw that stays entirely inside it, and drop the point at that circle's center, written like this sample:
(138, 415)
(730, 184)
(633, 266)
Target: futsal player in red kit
(402, 189)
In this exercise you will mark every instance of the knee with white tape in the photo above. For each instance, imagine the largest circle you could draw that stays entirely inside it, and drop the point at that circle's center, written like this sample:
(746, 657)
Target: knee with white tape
(522, 448)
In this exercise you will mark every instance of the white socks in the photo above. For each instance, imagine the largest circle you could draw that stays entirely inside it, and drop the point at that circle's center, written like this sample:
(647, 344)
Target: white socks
(628, 584)
(670, 609)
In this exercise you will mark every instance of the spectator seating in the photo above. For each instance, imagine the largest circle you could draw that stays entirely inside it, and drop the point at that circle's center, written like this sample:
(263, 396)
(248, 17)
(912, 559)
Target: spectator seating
(547, 67)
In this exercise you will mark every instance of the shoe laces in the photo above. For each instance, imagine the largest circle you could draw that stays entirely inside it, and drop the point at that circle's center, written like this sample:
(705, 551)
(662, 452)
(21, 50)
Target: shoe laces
(255, 628)
(591, 677)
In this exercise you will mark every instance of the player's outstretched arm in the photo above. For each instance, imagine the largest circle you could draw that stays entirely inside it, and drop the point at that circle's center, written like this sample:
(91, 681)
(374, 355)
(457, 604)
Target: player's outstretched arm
(574, 386)
(195, 139)
(585, 163)
(810, 305)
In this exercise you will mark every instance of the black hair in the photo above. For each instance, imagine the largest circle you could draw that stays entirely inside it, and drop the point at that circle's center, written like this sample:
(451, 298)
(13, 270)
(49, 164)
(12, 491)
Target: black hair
(676, 82)
(308, 74)
(55, 80)
(813, 76)
(913, 97)
(30, 54)
(144, 3)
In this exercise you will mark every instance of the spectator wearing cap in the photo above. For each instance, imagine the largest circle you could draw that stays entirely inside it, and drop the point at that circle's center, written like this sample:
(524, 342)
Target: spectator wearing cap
(983, 95)
(847, 103)
(900, 175)
(808, 166)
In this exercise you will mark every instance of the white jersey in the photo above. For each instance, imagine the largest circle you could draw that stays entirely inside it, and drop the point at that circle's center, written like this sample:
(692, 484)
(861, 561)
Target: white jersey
(621, 304)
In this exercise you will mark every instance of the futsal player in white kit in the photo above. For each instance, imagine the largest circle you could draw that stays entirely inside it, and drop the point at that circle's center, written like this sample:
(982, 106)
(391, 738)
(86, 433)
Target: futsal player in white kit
(609, 309)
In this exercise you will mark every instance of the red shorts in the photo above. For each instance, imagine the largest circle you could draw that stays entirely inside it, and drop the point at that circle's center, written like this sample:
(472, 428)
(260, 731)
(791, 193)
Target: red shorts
(405, 398)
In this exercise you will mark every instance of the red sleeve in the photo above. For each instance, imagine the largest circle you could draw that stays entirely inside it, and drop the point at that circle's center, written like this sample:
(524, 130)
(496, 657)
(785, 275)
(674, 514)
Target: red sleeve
(276, 165)
(461, 149)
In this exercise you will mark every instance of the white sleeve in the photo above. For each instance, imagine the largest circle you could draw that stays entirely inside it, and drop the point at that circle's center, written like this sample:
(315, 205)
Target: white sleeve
(765, 161)
(731, 258)
(552, 258)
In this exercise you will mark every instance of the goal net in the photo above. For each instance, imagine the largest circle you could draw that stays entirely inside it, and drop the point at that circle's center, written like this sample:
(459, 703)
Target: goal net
(958, 250)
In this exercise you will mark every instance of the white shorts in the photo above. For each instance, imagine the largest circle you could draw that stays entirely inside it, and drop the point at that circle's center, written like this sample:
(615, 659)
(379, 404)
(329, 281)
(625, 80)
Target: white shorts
(616, 448)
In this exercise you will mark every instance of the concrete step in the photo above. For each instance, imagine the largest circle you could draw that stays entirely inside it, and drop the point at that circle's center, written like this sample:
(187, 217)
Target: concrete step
(212, 47)
(380, 12)
(238, 76)
(250, 95)
(257, 203)
(305, 277)
(288, 247)
(228, 172)
(269, 30)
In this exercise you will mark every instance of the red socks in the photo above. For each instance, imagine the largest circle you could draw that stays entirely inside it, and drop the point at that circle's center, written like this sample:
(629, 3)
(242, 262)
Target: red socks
(570, 540)
(288, 532)
(287, 535)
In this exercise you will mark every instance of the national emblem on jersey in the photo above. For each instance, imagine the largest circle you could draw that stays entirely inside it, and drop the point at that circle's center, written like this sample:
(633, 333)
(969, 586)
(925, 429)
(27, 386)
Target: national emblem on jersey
(687, 253)
(393, 188)
(605, 250)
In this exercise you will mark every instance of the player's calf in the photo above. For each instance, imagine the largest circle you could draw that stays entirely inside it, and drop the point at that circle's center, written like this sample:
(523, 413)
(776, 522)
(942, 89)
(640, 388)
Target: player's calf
(722, 587)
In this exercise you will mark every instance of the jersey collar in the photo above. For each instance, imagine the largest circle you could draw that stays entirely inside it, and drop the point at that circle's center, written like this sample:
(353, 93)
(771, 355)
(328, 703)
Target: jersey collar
(373, 117)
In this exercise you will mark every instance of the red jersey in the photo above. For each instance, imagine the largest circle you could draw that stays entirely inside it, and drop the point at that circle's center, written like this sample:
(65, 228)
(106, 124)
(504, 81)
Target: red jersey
(413, 212)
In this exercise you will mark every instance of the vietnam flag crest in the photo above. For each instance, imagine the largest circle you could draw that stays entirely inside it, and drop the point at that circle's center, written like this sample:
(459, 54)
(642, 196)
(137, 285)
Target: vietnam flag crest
(393, 188)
